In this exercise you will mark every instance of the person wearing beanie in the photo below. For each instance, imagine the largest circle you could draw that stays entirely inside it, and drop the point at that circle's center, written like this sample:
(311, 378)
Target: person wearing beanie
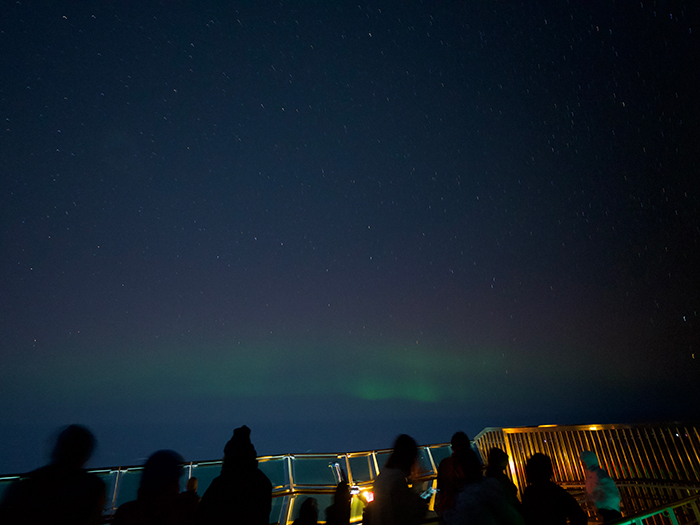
(600, 488)
(242, 493)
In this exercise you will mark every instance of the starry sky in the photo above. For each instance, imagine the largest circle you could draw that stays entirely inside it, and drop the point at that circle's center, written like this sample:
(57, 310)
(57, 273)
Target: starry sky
(336, 222)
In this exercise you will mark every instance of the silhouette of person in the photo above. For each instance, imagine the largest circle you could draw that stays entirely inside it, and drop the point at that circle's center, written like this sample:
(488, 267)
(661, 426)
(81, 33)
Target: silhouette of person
(242, 493)
(394, 502)
(450, 475)
(600, 488)
(339, 512)
(497, 464)
(189, 499)
(308, 513)
(158, 500)
(61, 492)
(481, 501)
(545, 502)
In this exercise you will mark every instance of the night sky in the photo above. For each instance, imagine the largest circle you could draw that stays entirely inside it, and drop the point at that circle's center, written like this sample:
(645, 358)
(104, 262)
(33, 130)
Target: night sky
(336, 222)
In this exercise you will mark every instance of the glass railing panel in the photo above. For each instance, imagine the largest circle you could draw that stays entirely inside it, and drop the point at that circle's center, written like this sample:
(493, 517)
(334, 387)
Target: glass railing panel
(128, 485)
(323, 501)
(425, 467)
(276, 471)
(361, 468)
(313, 471)
(205, 474)
(5, 484)
(109, 477)
(439, 453)
(381, 458)
(279, 508)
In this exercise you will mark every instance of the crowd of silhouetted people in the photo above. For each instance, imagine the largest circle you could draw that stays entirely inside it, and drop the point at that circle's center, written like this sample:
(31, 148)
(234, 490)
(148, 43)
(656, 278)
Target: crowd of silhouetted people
(468, 493)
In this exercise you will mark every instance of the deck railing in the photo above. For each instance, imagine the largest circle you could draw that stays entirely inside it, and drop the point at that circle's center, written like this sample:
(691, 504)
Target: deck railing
(652, 465)
(655, 467)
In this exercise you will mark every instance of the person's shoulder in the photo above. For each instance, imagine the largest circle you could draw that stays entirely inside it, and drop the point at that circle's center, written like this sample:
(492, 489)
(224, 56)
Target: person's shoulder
(93, 478)
(262, 477)
(128, 513)
(446, 462)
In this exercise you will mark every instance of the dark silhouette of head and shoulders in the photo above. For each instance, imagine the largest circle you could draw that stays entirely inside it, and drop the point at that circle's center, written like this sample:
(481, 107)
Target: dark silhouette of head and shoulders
(394, 502)
(158, 500)
(339, 512)
(546, 502)
(497, 463)
(62, 492)
(308, 512)
(451, 475)
(242, 493)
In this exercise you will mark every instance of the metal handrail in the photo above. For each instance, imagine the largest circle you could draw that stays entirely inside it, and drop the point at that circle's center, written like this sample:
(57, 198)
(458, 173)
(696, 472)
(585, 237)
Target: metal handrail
(666, 511)
(654, 466)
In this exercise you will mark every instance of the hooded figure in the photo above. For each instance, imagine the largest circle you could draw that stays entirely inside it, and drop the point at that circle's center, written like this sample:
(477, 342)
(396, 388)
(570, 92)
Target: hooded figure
(242, 493)
(600, 488)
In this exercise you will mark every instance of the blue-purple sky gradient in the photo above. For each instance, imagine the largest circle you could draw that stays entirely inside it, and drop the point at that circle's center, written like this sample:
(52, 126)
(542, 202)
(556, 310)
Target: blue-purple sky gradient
(336, 222)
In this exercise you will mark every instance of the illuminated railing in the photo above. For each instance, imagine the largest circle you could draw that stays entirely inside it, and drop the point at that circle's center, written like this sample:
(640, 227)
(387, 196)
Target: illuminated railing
(294, 477)
(653, 466)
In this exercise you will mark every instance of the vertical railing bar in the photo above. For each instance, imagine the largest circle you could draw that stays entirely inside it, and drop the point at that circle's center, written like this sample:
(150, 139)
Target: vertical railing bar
(693, 461)
(114, 492)
(348, 470)
(696, 511)
(574, 445)
(559, 443)
(606, 460)
(653, 470)
(658, 447)
(582, 445)
(586, 440)
(695, 446)
(517, 461)
(621, 451)
(546, 448)
(675, 437)
(625, 450)
(615, 455)
(615, 469)
(672, 516)
(553, 453)
(692, 458)
(666, 450)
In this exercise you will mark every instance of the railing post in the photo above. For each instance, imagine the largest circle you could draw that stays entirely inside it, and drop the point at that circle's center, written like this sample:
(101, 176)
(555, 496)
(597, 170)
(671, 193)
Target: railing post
(696, 512)
(671, 514)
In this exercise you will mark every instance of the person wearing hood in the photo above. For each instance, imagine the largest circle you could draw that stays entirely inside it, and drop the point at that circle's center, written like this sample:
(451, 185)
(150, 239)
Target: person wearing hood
(242, 494)
(600, 488)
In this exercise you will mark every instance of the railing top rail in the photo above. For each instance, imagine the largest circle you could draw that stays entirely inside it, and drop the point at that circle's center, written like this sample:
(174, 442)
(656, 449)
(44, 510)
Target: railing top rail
(638, 518)
(261, 459)
(584, 427)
